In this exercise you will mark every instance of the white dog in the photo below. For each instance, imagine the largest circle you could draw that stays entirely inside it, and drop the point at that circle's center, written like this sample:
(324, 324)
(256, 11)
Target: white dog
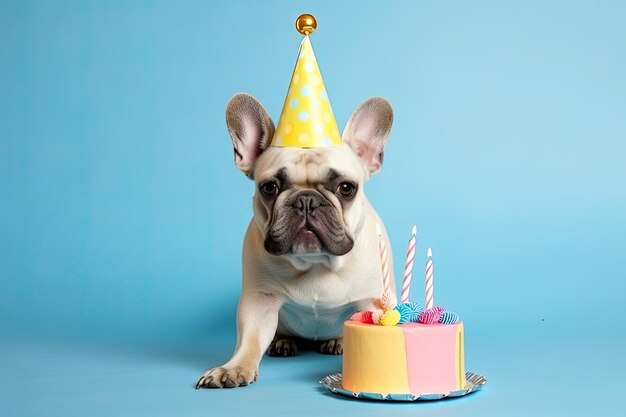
(311, 253)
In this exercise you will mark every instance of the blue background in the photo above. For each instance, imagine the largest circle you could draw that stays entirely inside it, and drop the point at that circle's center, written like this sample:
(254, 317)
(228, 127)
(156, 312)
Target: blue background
(122, 215)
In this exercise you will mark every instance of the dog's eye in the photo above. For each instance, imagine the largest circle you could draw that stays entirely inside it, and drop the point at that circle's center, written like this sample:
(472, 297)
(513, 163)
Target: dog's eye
(269, 188)
(346, 189)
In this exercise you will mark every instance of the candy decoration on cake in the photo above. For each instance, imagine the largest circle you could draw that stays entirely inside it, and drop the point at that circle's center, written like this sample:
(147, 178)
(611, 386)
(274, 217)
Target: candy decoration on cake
(408, 267)
(431, 315)
(409, 311)
(362, 316)
(428, 282)
(449, 317)
(376, 315)
(389, 318)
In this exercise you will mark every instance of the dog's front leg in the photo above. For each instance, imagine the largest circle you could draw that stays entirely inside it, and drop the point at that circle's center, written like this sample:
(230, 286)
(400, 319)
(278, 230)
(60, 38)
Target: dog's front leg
(257, 318)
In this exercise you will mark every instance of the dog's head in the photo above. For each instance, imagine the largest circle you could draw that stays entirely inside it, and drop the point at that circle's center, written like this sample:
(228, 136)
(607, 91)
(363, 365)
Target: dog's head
(309, 202)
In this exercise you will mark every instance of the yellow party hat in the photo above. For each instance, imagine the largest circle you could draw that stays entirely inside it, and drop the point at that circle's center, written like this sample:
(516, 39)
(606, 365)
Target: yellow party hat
(307, 120)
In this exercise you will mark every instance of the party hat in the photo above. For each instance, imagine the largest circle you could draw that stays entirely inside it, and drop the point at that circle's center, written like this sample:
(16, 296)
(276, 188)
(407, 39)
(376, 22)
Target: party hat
(307, 120)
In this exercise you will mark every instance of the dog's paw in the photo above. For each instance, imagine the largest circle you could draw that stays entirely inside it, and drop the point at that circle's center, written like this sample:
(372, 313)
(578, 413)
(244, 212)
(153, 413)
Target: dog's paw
(223, 377)
(331, 347)
(283, 347)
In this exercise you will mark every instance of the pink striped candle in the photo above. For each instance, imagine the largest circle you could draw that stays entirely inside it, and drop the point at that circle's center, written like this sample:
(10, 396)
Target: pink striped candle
(408, 267)
(382, 245)
(428, 281)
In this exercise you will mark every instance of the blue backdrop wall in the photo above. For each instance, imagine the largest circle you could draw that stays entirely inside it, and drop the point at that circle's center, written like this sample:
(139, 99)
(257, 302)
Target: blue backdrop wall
(122, 214)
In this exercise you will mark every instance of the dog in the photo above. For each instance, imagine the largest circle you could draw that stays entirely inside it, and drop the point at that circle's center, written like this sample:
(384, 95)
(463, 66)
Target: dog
(311, 254)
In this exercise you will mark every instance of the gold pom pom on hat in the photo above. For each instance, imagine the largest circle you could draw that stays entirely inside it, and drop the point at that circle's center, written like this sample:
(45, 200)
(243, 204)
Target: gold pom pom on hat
(306, 24)
(307, 119)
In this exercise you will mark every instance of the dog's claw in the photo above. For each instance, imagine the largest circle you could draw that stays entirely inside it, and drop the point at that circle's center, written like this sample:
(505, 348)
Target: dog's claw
(331, 347)
(237, 376)
(211, 383)
(282, 347)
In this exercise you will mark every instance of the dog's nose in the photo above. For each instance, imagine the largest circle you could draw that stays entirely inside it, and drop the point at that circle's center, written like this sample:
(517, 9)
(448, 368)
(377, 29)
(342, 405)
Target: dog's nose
(306, 203)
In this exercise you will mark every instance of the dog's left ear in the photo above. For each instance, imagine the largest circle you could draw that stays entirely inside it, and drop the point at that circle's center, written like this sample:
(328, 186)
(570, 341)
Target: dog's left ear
(367, 131)
(251, 130)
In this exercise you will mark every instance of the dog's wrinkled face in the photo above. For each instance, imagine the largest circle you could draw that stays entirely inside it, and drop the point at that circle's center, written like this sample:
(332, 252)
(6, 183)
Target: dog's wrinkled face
(308, 202)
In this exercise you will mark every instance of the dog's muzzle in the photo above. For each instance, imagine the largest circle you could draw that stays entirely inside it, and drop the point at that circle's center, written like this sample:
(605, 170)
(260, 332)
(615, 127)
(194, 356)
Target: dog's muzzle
(306, 224)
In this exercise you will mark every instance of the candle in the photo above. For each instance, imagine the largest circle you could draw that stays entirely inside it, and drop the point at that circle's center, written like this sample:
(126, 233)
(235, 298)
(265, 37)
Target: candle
(429, 292)
(408, 267)
(382, 245)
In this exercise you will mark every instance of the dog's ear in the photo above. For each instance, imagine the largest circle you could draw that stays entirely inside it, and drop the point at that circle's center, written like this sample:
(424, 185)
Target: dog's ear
(251, 130)
(367, 131)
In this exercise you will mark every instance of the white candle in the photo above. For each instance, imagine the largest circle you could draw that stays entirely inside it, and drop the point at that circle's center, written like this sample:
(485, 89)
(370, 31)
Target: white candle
(428, 281)
(382, 245)
(408, 267)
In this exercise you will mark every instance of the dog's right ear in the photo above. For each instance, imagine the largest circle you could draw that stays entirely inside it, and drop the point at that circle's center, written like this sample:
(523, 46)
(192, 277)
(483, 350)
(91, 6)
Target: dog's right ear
(251, 130)
(367, 130)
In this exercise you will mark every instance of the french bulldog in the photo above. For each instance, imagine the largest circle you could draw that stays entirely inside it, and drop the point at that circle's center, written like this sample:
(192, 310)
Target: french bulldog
(311, 253)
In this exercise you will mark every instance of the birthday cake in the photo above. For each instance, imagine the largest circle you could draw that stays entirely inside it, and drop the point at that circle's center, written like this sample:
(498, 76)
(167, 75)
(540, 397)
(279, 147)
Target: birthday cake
(404, 349)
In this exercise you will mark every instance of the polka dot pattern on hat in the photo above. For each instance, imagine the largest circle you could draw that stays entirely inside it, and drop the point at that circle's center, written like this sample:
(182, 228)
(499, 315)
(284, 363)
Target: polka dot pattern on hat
(307, 119)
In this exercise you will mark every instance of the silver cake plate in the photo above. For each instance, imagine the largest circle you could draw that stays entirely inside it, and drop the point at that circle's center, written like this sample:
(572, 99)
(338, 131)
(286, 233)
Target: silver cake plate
(474, 382)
